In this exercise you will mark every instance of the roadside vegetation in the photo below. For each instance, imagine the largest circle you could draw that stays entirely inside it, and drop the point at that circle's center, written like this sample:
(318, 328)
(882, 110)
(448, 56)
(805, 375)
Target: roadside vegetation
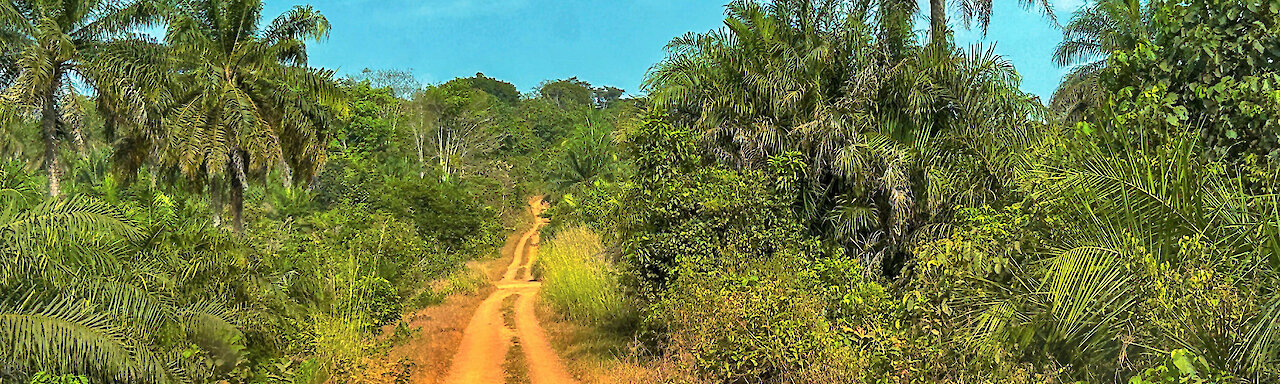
(814, 193)
(580, 284)
(207, 207)
(817, 194)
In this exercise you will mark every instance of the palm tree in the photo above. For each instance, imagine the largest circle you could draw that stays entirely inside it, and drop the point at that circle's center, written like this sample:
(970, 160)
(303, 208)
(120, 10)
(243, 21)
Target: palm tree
(971, 10)
(891, 135)
(51, 46)
(584, 158)
(245, 99)
(1131, 209)
(87, 290)
(1088, 40)
(47, 247)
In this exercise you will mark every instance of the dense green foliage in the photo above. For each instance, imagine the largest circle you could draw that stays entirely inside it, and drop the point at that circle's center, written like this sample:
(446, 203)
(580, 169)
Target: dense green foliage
(1209, 67)
(877, 137)
(814, 197)
(136, 286)
(349, 197)
(809, 194)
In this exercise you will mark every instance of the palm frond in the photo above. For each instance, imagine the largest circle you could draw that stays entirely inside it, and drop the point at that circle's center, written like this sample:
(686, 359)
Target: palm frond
(65, 335)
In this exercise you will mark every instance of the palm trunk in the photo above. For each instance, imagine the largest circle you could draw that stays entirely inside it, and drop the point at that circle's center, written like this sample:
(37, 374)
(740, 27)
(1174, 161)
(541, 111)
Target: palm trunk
(938, 21)
(77, 139)
(286, 174)
(215, 200)
(237, 205)
(49, 120)
(237, 192)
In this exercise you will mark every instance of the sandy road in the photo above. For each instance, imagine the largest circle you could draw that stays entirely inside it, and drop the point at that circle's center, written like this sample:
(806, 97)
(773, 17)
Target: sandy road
(486, 339)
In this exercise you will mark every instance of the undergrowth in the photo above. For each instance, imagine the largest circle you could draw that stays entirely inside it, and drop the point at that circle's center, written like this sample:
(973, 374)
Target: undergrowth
(580, 283)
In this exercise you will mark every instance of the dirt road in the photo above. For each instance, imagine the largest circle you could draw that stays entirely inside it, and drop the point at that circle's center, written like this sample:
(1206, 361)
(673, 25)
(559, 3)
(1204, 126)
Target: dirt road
(487, 338)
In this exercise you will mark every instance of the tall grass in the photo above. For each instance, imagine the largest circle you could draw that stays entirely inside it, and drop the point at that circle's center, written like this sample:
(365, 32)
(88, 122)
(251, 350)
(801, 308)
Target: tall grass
(580, 283)
(463, 281)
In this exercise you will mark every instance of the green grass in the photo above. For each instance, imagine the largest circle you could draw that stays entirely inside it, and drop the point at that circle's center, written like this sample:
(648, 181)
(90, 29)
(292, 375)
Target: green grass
(465, 281)
(579, 283)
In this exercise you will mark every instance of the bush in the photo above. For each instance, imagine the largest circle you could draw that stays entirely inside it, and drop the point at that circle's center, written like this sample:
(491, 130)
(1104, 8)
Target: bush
(580, 283)
(452, 214)
(466, 281)
(595, 204)
(374, 298)
(44, 377)
(1182, 367)
(758, 321)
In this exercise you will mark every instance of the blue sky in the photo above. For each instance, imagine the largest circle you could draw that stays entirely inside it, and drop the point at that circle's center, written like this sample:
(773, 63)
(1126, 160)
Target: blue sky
(605, 42)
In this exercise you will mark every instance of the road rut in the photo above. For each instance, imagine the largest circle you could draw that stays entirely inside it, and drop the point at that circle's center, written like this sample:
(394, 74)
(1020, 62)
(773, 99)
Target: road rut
(486, 339)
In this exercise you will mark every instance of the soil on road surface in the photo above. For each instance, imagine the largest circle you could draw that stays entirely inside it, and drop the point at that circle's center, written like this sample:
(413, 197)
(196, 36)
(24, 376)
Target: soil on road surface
(487, 338)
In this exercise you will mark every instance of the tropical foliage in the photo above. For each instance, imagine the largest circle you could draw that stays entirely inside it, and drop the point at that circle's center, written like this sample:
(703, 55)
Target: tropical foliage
(346, 195)
(244, 100)
(1088, 40)
(50, 46)
(815, 192)
(815, 197)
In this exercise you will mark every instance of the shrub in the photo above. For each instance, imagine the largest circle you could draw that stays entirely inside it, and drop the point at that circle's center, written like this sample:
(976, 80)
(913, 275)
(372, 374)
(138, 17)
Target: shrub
(452, 214)
(1182, 366)
(462, 281)
(752, 322)
(375, 299)
(44, 377)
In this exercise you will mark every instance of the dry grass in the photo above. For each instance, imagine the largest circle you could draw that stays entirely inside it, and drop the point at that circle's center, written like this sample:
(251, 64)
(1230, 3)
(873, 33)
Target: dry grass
(599, 356)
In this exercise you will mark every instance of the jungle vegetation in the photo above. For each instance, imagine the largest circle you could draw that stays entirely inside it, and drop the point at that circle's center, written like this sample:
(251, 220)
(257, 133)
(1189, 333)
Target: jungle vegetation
(207, 207)
(816, 192)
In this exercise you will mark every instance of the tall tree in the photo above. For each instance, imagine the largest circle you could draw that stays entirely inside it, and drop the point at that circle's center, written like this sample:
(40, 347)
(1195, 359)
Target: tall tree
(567, 92)
(500, 89)
(49, 48)
(881, 137)
(607, 95)
(245, 99)
(1094, 32)
(452, 126)
(401, 82)
(970, 11)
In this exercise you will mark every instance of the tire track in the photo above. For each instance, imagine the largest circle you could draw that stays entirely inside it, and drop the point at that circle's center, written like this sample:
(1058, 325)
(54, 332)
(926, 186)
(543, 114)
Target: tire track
(486, 339)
